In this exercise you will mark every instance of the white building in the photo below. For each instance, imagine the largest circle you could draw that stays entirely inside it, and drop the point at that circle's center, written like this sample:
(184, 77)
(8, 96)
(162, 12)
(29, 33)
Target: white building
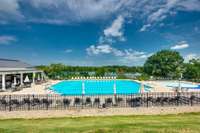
(17, 74)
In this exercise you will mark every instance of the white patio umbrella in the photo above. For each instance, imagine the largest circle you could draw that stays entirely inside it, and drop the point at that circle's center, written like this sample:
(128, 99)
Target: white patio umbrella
(26, 80)
(15, 81)
(38, 77)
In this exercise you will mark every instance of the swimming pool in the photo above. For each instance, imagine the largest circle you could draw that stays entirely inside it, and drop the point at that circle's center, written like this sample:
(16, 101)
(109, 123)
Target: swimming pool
(97, 87)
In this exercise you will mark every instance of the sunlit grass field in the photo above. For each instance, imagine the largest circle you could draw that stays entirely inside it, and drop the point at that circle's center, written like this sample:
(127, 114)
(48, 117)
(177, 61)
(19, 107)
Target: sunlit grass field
(182, 123)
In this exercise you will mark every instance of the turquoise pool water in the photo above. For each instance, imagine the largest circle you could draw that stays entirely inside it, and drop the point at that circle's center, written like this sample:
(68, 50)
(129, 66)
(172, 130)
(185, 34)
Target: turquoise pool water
(95, 87)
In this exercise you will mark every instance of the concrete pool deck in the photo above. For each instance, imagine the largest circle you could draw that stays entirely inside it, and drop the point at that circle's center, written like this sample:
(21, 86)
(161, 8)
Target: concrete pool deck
(97, 112)
(41, 89)
(159, 87)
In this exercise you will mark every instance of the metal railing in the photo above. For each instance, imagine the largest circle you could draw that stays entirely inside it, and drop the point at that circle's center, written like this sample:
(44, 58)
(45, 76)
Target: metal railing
(57, 102)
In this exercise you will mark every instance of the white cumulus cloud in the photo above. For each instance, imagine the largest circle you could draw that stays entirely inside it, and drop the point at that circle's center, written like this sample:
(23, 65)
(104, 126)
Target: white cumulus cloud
(145, 27)
(5, 39)
(115, 30)
(67, 11)
(161, 13)
(180, 45)
(124, 56)
(9, 11)
(100, 49)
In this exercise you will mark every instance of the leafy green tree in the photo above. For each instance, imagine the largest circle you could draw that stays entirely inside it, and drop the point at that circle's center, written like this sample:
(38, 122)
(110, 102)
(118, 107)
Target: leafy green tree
(192, 70)
(143, 77)
(100, 72)
(165, 63)
(61, 71)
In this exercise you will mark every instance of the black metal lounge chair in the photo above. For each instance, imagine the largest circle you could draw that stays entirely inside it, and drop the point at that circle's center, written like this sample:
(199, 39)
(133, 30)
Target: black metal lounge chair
(26, 101)
(108, 101)
(14, 102)
(96, 101)
(88, 100)
(46, 101)
(119, 99)
(66, 102)
(3, 102)
(35, 101)
(77, 101)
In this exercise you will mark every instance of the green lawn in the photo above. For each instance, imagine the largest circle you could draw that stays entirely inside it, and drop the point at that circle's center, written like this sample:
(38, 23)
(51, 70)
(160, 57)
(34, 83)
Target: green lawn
(182, 123)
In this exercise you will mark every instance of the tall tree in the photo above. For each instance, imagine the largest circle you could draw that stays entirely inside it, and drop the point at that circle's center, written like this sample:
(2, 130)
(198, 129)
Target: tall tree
(165, 63)
(192, 70)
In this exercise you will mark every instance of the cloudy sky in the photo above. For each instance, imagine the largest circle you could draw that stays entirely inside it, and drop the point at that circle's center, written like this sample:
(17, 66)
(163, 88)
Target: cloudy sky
(97, 32)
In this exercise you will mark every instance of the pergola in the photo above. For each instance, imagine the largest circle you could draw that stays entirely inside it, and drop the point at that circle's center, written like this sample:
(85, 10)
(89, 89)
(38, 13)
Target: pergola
(15, 73)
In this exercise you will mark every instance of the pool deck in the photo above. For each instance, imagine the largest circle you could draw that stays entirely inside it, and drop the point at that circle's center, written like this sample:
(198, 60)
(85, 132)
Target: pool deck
(162, 88)
(40, 89)
(34, 89)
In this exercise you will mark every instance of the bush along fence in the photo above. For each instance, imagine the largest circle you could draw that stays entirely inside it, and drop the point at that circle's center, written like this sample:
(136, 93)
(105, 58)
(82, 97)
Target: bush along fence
(57, 102)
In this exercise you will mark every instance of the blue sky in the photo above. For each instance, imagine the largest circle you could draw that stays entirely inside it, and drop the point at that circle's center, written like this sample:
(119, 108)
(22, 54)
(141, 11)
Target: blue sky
(97, 32)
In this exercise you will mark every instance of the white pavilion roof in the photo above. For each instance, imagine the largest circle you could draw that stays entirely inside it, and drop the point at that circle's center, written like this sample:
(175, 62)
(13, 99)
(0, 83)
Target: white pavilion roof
(8, 65)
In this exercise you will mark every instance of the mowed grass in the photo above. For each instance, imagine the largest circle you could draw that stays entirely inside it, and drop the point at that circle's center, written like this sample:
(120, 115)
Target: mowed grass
(182, 123)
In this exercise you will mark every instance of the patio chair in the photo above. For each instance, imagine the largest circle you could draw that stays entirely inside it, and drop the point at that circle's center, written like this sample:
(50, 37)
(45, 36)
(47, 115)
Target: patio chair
(26, 101)
(77, 101)
(66, 102)
(46, 101)
(15, 102)
(35, 101)
(88, 100)
(108, 101)
(3, 102)
(96, 101)
(119, 99)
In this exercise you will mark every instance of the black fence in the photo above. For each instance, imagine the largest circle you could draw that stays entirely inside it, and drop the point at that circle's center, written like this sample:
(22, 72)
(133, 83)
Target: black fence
(57, 102)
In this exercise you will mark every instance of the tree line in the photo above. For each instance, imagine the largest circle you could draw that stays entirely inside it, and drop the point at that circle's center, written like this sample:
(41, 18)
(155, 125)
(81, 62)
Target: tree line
(61, 71)
(165, 64)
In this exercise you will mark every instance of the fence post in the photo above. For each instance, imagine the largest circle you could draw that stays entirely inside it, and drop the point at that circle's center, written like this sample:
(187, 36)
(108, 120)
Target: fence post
(131, 102)
(47, 104)
(147, 100)
(99, 101)
(191, 98)
(177, 98)
(162, 96)
(10, 108)
(82, 100)
(29, 102)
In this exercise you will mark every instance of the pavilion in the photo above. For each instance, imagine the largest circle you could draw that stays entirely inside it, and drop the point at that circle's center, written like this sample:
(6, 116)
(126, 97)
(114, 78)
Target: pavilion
(17, 74)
